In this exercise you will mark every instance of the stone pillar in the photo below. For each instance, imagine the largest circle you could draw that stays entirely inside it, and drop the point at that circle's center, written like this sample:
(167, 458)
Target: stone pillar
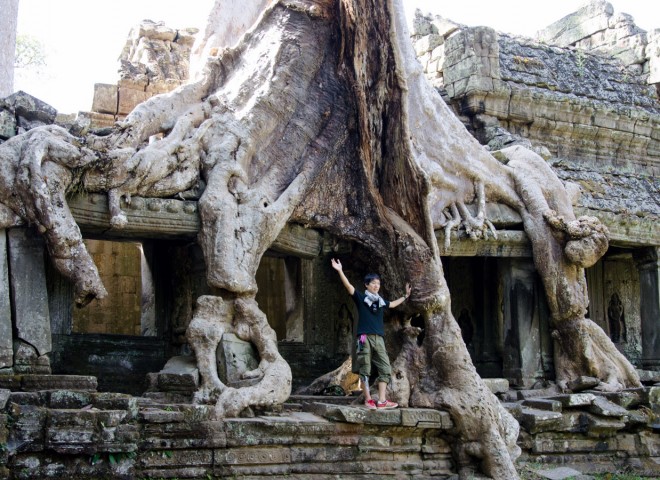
(6, 350)
(523, 356)
(28, 289)
(648, 266)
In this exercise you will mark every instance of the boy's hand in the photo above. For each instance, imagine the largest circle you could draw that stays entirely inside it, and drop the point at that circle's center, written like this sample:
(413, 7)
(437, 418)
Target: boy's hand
(336, 264)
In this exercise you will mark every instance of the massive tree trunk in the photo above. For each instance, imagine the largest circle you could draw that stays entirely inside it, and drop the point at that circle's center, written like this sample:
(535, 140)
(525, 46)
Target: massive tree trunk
(8, 19)
(321, 115)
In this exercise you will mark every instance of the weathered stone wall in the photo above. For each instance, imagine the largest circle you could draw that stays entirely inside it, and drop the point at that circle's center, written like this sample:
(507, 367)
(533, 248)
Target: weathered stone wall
(594, 120)
(593, 117)
(60, 427)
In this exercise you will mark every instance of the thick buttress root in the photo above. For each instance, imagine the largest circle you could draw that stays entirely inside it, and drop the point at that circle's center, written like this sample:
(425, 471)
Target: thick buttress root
(212, 319)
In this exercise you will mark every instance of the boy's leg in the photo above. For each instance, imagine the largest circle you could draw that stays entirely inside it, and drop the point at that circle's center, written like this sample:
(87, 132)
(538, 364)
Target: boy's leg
(382, 362)
(380, 359)
(364, 352)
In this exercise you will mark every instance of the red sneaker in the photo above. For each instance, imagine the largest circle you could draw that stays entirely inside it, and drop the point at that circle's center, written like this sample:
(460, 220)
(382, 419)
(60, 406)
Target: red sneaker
(386, 405)
(370, 404)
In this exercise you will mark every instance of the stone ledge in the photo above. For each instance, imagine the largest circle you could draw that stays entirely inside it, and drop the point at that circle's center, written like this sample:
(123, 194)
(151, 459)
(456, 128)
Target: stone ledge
(31, 382)
(407, 417)
(173, 441)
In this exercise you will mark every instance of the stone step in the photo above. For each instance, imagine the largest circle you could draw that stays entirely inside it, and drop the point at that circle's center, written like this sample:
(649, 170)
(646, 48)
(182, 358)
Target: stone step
(332, 399)
(33, 382)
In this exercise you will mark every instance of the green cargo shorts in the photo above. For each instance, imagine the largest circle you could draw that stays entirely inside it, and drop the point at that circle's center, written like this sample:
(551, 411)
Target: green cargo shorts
(374, 351)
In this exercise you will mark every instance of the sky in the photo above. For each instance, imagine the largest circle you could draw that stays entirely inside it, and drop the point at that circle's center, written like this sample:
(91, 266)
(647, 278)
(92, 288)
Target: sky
(83, 38)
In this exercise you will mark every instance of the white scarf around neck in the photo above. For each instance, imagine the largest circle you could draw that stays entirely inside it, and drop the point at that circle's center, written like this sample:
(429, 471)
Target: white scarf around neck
(371, 298)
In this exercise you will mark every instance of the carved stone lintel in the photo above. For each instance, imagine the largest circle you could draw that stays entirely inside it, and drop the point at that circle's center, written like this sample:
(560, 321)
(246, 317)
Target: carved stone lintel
(509, 243)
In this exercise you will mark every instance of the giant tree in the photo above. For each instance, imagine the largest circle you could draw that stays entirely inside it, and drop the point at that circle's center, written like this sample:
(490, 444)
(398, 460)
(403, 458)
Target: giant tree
(321, 115)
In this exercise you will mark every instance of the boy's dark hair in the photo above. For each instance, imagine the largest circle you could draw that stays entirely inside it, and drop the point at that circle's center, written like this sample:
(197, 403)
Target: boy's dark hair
(369, 277)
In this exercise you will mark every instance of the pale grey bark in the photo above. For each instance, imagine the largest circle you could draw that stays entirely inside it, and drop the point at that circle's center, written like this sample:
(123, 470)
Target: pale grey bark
(321, 115)
(8, 21)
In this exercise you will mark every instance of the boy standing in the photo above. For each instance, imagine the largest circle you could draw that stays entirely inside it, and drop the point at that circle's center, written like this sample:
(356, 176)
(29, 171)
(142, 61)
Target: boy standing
(370, 332)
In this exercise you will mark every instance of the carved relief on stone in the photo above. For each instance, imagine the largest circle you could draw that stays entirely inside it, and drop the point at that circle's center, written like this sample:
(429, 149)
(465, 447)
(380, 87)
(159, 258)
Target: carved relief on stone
(616, 319)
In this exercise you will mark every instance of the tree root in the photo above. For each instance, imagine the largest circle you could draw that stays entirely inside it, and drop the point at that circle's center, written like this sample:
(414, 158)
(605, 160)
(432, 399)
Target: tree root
(212, 319)
(457, 215)
(586, 238)
(37, 170)
(582, 348)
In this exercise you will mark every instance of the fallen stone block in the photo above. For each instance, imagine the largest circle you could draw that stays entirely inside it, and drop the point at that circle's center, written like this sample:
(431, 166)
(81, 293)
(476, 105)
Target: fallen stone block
(31, 109)
(602, 427)
(543, 404)
(497, 385)
(602, 406)
(105, 98)
(236, 358)
(514, 409)
(649, 376)
(535, 421)
(574, 399)
(180, 374)
(582, 383)
(536, 393)
(654, 399)
(625, 398)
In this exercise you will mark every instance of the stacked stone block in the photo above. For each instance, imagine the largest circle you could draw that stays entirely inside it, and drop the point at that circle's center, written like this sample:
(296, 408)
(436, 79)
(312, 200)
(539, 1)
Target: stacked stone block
(597, 28)
(154, 60)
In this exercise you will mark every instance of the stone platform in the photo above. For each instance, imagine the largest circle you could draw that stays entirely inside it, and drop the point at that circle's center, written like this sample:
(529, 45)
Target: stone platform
(62, 431)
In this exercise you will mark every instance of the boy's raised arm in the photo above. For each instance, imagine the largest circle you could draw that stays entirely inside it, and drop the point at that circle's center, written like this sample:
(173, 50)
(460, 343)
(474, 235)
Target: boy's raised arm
(336, 264)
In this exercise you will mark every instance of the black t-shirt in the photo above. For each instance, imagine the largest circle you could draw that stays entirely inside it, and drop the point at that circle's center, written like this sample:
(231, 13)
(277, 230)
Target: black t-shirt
(368, 321)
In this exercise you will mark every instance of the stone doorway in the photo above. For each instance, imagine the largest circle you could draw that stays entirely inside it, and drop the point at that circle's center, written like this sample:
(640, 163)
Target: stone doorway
(129, 308)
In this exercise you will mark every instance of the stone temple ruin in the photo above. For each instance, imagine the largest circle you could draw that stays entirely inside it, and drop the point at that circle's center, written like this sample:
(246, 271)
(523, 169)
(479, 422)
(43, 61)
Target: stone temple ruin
(117, 389)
